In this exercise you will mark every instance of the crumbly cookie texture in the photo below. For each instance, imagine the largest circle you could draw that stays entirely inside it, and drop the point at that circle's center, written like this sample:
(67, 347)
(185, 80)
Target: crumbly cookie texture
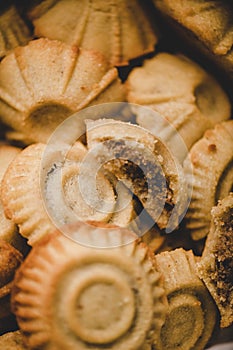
(12, 341)
(142, 162)
(60, 190)
(192, 312)
(112, 31)
(55, 192)
(216, 265)
(95, 298)
(46, 81)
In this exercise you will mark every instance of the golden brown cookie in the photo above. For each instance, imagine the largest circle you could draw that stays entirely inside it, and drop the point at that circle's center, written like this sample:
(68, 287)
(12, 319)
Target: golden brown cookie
(10, 259)
(21, 194)
(211, 176)
(109, 28)
(12, 341)
(186, 97)
(46, 81)
(205, 24)
(144, 164)
(216, 265)
(51, 193)
(95, 298)
(13, 30)
(8, 230)
(37, 7)
(191, 315)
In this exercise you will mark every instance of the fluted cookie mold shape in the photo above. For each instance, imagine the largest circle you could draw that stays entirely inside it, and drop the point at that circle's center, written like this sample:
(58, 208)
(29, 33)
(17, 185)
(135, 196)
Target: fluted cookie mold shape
(184, 96)
(21, 195)
(215, 266)
(40, 192)
(13, 30)
(94, 299)
(204, 24)
(45, 82)
(144, 164)
(192, 312)
(211, 176)
(8, 230)
(109, 28)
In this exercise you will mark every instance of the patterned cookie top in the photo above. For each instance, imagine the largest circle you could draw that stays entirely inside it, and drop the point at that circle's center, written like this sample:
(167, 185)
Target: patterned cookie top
(94, 298)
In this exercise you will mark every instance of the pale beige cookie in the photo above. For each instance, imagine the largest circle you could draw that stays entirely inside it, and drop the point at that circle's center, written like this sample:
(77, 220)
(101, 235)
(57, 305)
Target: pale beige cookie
(119, 29)
(13, 30)
(192, 313)
(211, 176)
(12, 341)
(21, 194)
(46, 81)
(8, 230)
(207, 24)
(143, 163)
(216, 264)
(41, 191)
(95, 298)
(186, 97)
(10, 259)
(125, 210)
(86, 192)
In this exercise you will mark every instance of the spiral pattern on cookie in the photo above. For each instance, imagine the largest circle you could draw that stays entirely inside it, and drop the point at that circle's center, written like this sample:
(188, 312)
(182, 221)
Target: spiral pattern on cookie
(63, 196)
(144, 164)
(192, 313)
(94, 299)
(126, 176)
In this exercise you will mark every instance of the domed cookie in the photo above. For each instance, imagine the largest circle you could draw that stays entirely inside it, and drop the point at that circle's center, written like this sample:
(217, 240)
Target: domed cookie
(189, 101)
(8, 230)
(51, 196)
(207, 25)
(22, 200)
(121, 30)
(95, 298)
(216, 264)
(144, 164)
(46, 81)
(192, 313)
(211, 176)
